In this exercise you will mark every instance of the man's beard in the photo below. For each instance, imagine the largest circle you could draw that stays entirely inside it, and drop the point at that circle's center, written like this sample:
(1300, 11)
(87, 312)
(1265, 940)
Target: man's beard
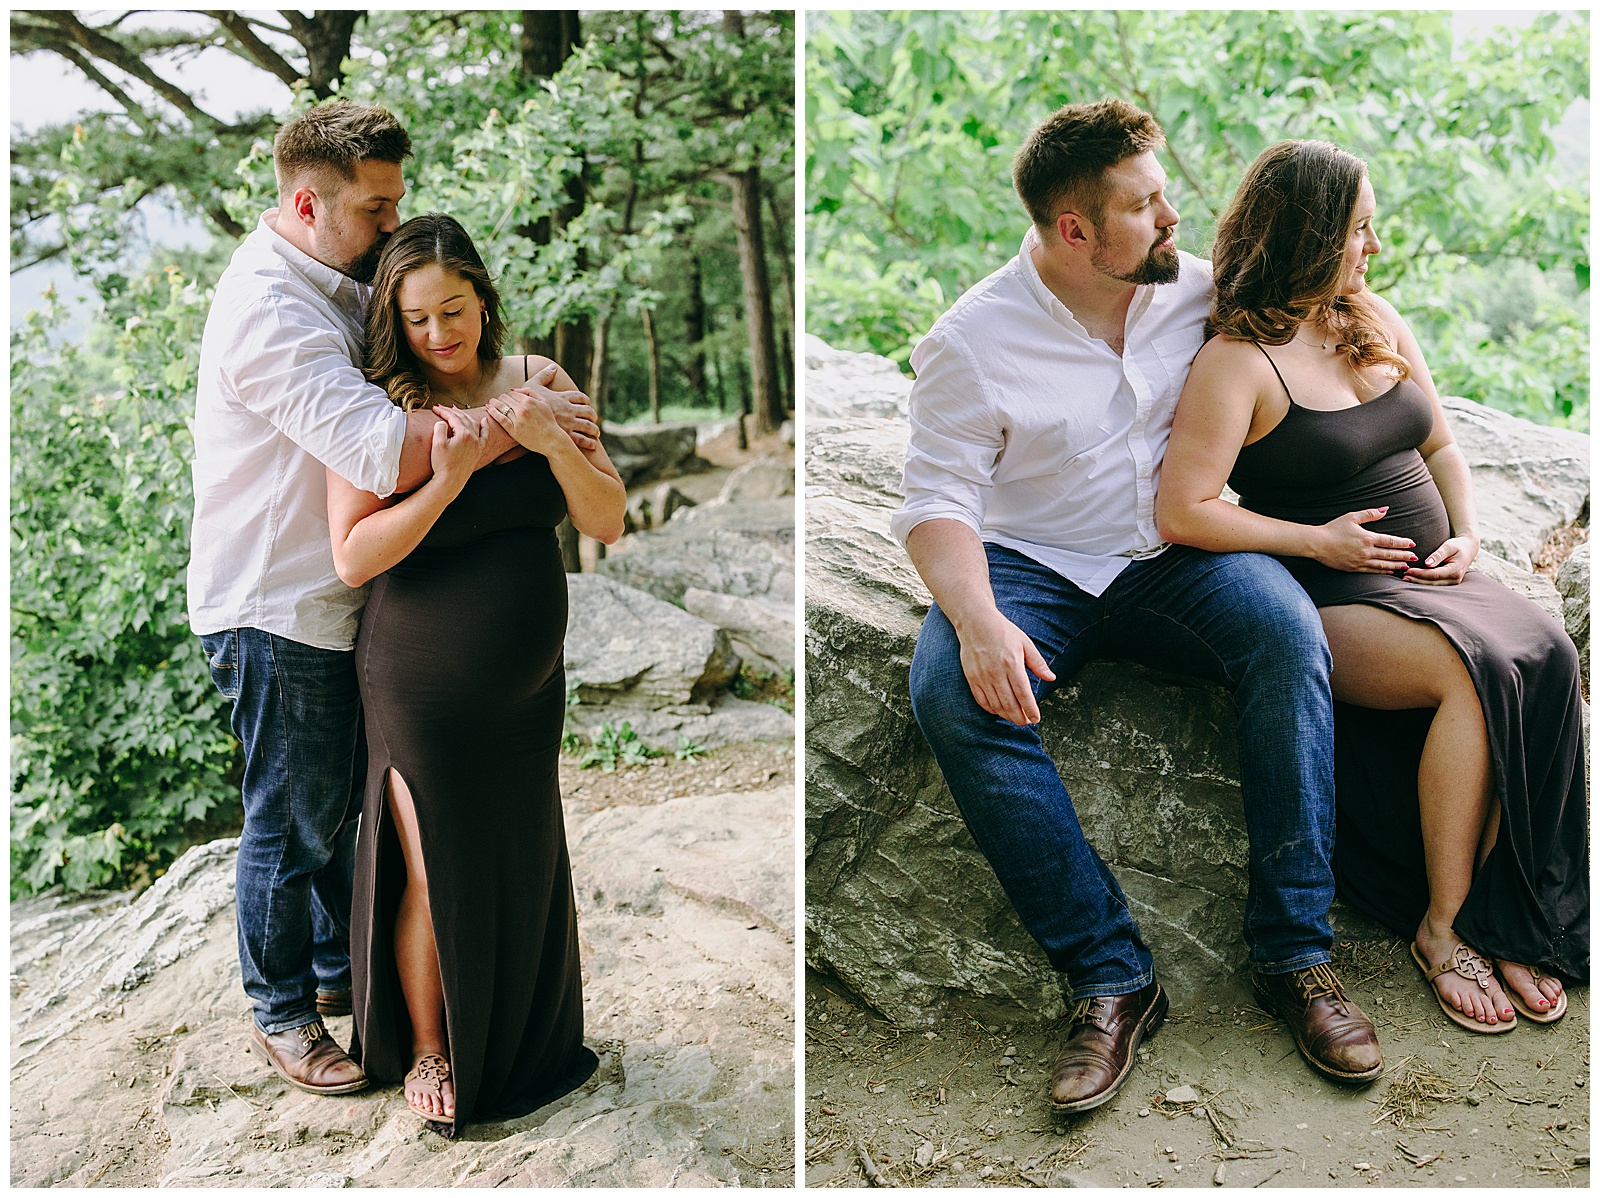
(365, 268)
(1160, 265)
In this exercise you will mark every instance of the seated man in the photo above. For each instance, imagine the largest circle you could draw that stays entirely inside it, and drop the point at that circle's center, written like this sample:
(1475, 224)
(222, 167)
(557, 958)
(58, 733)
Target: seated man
(1040, 413)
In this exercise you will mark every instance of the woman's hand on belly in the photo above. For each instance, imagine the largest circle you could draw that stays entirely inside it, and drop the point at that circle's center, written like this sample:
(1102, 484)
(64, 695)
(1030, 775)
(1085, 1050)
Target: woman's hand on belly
(1343, 544)
(1446, 565)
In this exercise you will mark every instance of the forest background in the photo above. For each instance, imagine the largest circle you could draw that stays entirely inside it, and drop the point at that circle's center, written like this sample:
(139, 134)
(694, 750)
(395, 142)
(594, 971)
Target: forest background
(628, 177)
(912, 119)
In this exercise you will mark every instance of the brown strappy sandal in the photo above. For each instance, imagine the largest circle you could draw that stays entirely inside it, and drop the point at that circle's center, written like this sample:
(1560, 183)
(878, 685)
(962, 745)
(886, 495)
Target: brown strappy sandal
(432, 1070)
(1471, 965)
(1528, 1012)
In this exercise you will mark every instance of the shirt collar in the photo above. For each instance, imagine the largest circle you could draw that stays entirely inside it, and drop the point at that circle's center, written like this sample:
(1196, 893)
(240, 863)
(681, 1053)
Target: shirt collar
(1143, 293)
(322, 276)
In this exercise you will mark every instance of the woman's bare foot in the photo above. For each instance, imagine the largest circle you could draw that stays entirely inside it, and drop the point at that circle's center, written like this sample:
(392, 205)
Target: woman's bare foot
(1464, 994)
(429, 1090)
(1540, 995)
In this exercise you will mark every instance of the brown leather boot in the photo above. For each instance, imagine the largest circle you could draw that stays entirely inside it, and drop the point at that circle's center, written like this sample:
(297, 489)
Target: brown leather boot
(333, 1002)
(1330, 1031)
(308, 1057)
(1099, 1053)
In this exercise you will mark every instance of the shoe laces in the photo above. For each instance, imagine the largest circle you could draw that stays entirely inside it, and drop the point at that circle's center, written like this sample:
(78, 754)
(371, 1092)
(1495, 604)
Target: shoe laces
(310, 1033)
(1319, 982)
(1087, 1010)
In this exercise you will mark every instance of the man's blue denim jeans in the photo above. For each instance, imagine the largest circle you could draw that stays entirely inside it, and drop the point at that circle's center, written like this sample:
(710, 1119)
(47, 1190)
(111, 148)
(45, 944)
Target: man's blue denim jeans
(297, 711)
(1238, 619)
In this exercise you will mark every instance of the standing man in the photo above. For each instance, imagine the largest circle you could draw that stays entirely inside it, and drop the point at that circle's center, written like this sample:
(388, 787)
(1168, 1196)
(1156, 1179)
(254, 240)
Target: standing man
(281, 396)
(1040, 415)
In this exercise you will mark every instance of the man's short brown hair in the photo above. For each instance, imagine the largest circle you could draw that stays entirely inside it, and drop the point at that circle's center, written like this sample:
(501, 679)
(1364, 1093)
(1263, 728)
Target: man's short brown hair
(330, 139)
(1062, 165)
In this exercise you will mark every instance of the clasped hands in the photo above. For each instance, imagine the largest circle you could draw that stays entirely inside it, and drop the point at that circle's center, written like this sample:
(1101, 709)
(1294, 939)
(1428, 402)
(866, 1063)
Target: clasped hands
(1343, 544)
(532, 415)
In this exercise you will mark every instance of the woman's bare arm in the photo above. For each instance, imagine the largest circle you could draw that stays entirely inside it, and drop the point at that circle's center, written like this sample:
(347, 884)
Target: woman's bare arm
(371, 534)
(594, 492)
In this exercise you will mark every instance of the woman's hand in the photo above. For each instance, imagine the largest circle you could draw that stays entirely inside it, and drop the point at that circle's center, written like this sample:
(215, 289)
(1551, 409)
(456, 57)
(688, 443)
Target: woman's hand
(572, 412)
(1446, 565)
(1343, 544)
(457, 442)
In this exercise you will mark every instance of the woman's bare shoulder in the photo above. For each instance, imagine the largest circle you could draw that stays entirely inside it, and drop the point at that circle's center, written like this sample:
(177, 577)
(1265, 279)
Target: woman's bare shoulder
(1224, 355)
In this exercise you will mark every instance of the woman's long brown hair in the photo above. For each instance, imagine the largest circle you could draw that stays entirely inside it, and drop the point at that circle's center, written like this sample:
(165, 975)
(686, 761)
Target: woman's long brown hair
(1279, 254)
(440, 240)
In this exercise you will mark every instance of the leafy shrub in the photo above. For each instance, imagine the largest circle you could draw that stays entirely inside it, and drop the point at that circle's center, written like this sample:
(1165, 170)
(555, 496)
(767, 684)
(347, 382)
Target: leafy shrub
(617, 746)
(118, 738)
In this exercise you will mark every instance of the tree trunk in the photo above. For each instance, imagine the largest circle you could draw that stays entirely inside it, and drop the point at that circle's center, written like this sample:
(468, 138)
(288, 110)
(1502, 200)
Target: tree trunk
(694, 324)
(326, 38)
(767, 400)
(744, 402)
(567, 541)
(597, 365)
(655, 365)
(548, 38)
(786, 270)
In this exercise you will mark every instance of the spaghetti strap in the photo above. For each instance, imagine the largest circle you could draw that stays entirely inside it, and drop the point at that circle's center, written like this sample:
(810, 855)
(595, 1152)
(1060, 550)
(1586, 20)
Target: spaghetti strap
(525, 367)
(1274, 366)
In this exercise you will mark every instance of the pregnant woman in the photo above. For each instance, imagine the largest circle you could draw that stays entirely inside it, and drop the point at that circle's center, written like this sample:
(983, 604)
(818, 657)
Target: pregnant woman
(464, 944)
(1459, 746)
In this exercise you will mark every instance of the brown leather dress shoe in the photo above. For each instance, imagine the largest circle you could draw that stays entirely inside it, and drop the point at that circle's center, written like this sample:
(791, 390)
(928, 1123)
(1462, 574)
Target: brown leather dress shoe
(1099, 1052)
(308, 1057)
(333, 1002)
(1331, 1032)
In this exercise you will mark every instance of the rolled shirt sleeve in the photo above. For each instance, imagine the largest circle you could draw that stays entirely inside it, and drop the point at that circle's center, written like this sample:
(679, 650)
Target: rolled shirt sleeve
(956, 438)
(299, 378)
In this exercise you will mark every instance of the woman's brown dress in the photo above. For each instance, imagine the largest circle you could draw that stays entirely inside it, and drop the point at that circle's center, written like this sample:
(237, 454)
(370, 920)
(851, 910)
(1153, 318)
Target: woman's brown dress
(459, 658)
(1530, 900)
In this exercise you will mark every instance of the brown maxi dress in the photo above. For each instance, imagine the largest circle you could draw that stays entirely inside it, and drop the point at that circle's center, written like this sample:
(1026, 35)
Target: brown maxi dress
(1530, 900)
(460, 664)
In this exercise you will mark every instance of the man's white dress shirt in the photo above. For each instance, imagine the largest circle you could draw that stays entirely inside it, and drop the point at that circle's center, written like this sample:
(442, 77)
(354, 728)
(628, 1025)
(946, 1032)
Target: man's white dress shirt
(1038, 436)
(280, 395)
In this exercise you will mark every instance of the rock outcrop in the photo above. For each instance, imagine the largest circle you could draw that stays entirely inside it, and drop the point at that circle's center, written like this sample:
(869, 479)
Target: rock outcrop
(1572, 580)
(129, 1026)
(900, 904)
(645, 452)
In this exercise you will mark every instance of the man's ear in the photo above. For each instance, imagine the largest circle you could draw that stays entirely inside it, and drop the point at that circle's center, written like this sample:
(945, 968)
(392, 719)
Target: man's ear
(1074, 230)
(305, 204)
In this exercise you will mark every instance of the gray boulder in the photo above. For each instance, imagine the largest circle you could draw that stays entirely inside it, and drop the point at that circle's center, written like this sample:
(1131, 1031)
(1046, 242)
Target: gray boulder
(1572, 580)
(1529, 480)
(762, 631)
(900, 904)
(757, 480)
(840, 383)
(744, 549)
(626, 647)
(645, 452)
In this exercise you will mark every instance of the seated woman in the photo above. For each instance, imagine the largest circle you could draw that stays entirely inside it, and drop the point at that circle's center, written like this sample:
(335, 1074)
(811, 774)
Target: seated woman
(463, 939)
(1462, 825)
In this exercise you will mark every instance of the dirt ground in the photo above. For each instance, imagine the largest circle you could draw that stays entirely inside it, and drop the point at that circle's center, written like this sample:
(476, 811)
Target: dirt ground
(753, 766)
(966, 1103)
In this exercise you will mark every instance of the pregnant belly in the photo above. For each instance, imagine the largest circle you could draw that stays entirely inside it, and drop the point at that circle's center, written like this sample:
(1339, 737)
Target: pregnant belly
(1416, 512)
(468, 629)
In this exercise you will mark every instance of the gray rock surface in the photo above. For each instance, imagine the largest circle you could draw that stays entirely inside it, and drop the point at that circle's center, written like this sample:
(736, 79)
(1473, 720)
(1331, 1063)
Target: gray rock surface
(756, 481)
(1529, 480)
(840, 383)
(900, 905)
(686, 920)
(1572, 580)
(742, 549)
(762, 631)
(724, 720)
(642, 452)
(626, 647)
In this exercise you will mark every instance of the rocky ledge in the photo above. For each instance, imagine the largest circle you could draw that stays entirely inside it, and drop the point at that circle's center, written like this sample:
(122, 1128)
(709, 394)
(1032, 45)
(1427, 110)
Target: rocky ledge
(900, 905)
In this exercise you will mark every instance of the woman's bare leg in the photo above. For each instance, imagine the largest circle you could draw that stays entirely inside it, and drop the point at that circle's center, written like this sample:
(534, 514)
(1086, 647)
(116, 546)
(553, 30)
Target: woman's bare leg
(417, 956)
(1386, 661)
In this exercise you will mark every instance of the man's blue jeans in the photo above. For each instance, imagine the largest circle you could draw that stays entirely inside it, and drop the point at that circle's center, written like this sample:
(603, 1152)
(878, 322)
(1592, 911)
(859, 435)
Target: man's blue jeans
(1238, 619)
(297, 711)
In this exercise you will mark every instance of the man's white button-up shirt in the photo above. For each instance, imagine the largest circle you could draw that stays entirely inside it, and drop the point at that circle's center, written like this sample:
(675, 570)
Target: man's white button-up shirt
(1038, 436)
(280, 395)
